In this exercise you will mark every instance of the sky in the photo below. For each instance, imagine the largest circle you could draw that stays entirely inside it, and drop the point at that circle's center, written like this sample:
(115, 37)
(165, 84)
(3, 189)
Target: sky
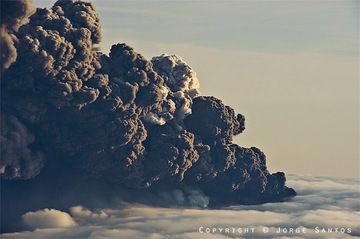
(291, 67)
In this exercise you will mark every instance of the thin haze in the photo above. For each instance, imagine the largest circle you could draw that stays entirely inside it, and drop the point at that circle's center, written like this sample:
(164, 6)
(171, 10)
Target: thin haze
(291, 67)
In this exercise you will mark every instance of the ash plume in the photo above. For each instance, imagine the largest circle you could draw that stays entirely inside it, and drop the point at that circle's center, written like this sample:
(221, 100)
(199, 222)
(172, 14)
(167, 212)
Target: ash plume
(18, 159)
(70, 114)
(14, 13)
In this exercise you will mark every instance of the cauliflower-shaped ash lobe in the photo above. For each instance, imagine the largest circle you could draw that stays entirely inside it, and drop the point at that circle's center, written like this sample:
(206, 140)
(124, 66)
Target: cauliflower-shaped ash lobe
(121, 119)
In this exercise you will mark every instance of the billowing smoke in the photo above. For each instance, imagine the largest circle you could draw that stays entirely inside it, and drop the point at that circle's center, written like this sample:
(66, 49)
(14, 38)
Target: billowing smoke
(70, 113)
(180, 79)
(18, 160)
(14, 13)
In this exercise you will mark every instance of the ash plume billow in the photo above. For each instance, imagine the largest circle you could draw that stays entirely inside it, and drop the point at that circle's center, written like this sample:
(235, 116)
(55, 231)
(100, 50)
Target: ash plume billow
(136, 128)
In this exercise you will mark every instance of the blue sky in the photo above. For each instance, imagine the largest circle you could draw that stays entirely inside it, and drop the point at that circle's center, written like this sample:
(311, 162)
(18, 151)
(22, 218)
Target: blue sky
(325, 26)
(272, 26)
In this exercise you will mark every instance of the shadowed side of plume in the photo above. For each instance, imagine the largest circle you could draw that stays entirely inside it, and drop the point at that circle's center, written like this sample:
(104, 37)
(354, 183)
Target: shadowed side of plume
(71, 115)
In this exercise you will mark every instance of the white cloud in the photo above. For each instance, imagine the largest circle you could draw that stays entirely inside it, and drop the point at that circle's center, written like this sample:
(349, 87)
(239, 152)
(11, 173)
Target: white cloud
(80, 212)
(322, 202)
(330, 218)
(48, 218)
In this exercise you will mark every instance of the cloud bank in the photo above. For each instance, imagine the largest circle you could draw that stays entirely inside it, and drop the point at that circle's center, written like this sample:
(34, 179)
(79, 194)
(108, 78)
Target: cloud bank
(323, 204)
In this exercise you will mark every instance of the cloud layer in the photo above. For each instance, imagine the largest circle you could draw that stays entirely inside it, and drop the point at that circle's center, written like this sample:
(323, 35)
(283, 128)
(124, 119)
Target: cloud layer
(322, 204)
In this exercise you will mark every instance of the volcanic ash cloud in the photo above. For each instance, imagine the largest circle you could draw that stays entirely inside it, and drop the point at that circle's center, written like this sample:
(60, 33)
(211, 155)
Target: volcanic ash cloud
(71, 113)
